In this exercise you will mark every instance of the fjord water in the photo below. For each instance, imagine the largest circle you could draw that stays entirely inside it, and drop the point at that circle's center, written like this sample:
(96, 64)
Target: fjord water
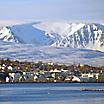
(51, 93)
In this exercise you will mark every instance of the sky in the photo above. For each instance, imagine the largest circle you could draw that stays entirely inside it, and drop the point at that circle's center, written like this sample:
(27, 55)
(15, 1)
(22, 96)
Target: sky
(52, 10)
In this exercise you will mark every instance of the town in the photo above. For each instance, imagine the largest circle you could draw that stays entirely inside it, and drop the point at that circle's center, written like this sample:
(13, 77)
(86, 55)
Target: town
(16, 71)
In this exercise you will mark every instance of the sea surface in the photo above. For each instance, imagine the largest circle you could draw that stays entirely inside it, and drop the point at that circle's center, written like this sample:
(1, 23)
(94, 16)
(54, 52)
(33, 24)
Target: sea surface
(51, 93)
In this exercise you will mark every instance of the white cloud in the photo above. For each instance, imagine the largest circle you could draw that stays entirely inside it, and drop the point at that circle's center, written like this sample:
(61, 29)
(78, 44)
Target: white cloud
(14, 22)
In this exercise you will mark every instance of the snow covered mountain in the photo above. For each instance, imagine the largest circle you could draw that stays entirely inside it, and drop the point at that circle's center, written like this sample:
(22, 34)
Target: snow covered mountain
(27, 52)
(64, 34)
(7, 35)
(62, 42)
(90, 36)
(77, 35)
(25, 34)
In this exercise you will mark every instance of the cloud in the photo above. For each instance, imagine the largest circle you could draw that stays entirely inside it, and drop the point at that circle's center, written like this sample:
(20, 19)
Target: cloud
(14, 22)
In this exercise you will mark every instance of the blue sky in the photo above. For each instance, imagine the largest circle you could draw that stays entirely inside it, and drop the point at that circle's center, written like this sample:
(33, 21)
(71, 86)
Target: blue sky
(52, 10)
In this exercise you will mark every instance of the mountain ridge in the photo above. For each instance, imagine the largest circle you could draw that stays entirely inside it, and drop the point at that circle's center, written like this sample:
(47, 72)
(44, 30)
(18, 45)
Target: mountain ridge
(57, 34)
(60, 42)
(90, 36)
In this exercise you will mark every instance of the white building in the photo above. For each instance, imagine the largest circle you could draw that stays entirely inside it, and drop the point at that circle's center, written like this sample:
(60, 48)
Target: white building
(90, 75)
(76, 79)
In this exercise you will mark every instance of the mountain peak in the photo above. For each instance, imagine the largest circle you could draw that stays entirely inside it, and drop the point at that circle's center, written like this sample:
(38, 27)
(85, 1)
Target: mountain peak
(64, 34)
(7, 35)
(90, 36)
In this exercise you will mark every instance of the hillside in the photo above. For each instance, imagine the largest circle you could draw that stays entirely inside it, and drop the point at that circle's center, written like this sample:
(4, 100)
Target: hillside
(55, 41)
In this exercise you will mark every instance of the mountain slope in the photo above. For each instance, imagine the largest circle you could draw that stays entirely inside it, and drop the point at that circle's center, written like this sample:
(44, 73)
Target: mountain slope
(25, 33)
(90, 36)
(57, 42)
(47, 53)
(64, 34)
(7, 35)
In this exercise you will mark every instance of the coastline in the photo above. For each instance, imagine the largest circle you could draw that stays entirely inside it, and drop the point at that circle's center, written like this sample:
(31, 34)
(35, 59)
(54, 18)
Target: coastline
(46, 82)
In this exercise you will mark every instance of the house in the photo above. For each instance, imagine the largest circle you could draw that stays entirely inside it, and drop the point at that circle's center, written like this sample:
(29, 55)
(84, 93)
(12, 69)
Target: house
(55, 71)
(49, 76)
(35, 77)
(41, 78)
(50, 63)
(7, 79)
(10, 68)
(63, 70)
(89, 77)
(68, 79)
(13, 69)
(28, 76)
(15, 76)
(3, 66)
(3, 77)
(55, 74)
(75, 79)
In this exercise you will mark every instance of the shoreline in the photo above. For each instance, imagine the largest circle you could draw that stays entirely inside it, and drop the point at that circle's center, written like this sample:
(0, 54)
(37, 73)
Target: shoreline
(45, 82)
